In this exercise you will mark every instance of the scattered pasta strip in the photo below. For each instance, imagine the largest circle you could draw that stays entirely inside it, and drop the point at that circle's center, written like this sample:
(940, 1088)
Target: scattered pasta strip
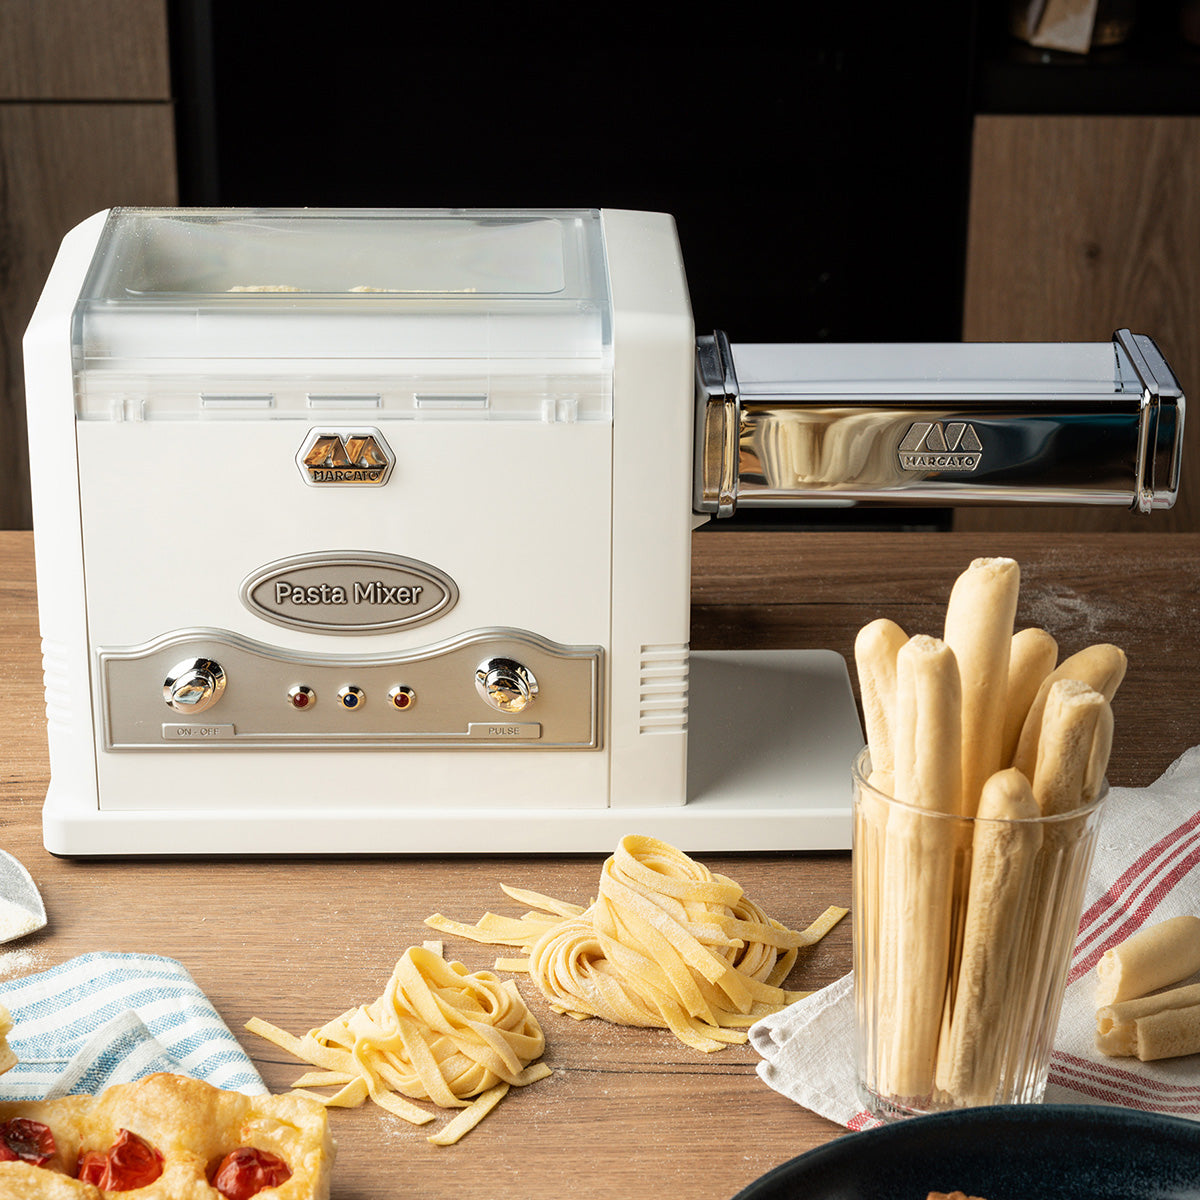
(437, 1033)
(469, 1117)
(666, 945)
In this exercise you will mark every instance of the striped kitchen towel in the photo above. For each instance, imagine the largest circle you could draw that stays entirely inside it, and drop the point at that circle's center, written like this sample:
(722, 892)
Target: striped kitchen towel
(1146, 870)
(107, 1018)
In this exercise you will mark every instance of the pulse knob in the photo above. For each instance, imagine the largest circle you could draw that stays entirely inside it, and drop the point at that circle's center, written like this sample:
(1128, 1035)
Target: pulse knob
(505, 684)
(194, 685)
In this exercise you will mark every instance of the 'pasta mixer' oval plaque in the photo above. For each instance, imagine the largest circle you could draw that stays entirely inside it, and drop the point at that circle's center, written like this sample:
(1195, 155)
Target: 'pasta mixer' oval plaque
(348, 592)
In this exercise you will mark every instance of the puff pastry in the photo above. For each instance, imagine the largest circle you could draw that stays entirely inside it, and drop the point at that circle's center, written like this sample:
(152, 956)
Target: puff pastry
(191, 1124)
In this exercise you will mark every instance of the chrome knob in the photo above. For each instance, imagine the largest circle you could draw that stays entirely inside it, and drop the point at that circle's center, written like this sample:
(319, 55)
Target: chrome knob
(505, 684)
(194, 685)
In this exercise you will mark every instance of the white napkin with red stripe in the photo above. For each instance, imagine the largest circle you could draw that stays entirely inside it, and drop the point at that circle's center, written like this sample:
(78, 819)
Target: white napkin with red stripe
(1146, 870)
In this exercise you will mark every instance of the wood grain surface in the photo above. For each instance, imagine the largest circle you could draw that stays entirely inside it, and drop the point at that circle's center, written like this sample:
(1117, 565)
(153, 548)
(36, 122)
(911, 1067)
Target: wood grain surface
(60, 163)
(627, 1113)
(86, 122)
(1080, 226)
(81, 50)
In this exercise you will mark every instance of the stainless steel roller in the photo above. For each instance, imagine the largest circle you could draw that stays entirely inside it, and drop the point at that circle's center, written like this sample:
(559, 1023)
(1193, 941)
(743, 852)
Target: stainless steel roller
(948, 424)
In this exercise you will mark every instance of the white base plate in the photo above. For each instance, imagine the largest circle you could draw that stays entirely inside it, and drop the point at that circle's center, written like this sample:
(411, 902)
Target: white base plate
(771, 737)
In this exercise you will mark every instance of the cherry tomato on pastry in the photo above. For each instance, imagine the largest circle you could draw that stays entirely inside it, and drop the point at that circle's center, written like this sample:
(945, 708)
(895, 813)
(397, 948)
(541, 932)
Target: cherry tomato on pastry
(27, 1140)
(244, 1172)
(130, 1162)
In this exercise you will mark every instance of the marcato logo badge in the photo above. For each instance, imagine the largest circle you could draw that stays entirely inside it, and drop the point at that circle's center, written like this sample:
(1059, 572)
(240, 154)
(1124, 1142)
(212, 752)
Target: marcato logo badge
(345, 458)
(940, 446)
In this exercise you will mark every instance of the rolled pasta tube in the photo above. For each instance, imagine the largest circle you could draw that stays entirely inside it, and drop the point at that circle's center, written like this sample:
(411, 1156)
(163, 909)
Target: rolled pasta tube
(875, 651)
(1157, 957)
(979, 629)
(1116, 1029)
(1101, 666)
(918, 862)
(1171, 1033)
(1073, 747)
(1031, 658)
(1004, 853)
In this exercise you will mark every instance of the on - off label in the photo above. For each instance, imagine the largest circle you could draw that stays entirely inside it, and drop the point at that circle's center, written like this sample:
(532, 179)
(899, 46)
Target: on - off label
(197, 733)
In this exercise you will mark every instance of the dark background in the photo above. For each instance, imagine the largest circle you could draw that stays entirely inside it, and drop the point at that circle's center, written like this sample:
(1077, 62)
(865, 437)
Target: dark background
(816, 157)
(816, 164)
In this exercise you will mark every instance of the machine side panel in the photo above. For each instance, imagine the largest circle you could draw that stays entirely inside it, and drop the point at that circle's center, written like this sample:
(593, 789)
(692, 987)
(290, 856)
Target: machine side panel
(54, 475)
(654, 350)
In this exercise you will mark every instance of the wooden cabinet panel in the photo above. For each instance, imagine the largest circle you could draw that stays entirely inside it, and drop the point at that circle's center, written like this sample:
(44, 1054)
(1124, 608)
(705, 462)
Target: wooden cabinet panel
(1078, 226)
(59, 163)
(84, 50)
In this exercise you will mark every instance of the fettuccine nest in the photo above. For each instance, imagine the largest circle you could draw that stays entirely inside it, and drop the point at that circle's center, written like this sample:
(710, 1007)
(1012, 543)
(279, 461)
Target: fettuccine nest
(438, 1032)
(666, 944)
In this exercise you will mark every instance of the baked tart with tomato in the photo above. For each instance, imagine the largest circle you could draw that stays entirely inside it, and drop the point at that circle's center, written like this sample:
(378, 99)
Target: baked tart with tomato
(165, 1137)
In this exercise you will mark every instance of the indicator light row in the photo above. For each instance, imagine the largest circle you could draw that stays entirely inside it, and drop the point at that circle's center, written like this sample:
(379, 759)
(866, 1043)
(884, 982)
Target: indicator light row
(302, 697)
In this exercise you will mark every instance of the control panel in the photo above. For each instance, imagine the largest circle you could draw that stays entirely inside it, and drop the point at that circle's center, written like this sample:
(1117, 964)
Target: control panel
(489, 687)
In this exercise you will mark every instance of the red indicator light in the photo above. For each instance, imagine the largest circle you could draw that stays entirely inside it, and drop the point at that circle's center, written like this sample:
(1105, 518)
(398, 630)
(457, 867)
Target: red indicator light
(301, 696)
(402, 697)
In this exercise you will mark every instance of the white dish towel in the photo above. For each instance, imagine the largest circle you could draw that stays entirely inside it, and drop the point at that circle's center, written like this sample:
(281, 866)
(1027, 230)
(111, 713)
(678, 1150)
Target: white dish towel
(107, 1018)
(1146, 870)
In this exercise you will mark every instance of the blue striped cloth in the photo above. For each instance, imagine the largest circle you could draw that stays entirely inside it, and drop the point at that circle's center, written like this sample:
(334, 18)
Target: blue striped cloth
(107, 1018)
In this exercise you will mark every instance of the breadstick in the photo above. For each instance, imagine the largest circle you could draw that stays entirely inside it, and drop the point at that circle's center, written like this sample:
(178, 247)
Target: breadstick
(1155, 958)
(1073, 751)
(1031, 658)
(918, 866)
(1116, 1029)
(882, 781)
(1073, 747)
(1101, 666)
(1003, 856)
(979, 629)
(875, 651)
(928, 725)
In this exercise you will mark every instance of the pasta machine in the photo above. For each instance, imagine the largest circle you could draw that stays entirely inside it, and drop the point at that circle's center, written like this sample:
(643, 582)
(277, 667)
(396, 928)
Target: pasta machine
(368, 531)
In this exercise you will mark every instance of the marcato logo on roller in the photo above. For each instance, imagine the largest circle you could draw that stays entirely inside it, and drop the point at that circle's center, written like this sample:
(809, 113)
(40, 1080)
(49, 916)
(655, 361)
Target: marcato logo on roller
(940, 446)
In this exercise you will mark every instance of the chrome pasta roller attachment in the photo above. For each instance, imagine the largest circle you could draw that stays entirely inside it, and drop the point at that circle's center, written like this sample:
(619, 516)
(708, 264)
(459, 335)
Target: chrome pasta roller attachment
(952, 424)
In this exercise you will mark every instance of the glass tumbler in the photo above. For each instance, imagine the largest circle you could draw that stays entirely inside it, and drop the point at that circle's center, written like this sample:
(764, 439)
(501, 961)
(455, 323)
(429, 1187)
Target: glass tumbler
(963, 934)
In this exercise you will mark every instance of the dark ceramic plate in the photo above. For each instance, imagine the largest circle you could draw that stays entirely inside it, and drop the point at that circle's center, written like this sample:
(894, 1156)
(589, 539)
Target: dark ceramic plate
(1006, 1152)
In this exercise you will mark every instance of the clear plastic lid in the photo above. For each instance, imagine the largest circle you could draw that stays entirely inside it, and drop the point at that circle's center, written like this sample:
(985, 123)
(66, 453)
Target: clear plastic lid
(264, 293)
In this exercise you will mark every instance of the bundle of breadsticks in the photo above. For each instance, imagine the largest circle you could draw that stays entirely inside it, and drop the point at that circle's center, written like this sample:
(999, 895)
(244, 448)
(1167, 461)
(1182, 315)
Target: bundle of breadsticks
(981, 722)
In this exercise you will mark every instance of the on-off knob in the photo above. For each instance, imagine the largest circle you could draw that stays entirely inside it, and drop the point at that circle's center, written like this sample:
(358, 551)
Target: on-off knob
(194, 685)
(505, 684)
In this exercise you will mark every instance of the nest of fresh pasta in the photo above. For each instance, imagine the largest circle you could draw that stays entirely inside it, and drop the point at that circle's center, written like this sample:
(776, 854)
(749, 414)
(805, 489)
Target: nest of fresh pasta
(665, 944)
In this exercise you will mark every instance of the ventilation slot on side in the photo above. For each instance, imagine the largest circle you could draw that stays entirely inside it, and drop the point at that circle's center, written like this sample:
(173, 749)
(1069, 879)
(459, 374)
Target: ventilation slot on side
(663, 689)
(56, 681)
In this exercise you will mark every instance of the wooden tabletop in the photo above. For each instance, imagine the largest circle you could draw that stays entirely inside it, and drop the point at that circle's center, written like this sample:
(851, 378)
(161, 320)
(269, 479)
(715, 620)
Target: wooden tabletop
(627, 1112)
